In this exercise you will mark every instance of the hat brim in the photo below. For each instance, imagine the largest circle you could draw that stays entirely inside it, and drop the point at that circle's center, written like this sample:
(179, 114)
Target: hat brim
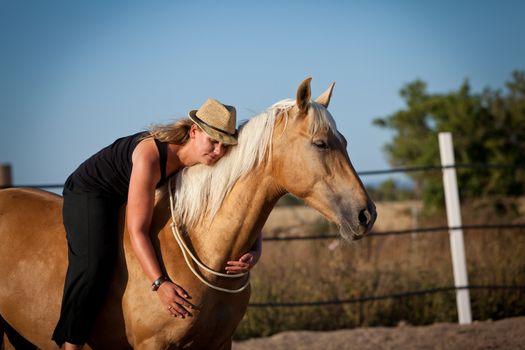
(214, 134)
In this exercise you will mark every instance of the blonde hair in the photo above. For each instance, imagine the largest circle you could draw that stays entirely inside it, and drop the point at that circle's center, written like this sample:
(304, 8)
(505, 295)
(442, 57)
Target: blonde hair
(177, 132)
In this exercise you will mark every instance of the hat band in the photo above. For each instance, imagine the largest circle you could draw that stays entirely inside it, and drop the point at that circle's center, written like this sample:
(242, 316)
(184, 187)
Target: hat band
(211, 126)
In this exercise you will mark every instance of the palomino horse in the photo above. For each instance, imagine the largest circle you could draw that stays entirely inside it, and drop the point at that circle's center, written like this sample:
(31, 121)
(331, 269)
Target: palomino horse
(293, 147)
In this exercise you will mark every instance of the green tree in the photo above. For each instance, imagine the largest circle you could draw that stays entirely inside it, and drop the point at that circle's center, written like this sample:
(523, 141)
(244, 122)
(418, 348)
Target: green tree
(487, 128)
(389, 190)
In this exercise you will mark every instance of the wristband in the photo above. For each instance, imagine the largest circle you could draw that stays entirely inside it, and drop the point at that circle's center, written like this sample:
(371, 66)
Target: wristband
(156, 284)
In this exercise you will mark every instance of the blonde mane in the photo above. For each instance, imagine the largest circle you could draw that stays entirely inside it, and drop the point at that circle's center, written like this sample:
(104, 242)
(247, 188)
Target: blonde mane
(199, 190)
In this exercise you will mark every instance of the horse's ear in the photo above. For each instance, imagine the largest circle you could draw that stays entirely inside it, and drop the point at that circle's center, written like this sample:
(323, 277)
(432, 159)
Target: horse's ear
(303, 95)
(324, 99)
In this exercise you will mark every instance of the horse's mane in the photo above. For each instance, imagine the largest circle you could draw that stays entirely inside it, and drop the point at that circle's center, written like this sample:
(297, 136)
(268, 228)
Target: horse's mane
(200, 190)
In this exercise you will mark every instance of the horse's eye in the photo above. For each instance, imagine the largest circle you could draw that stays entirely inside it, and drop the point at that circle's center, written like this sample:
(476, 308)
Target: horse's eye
(320, 144)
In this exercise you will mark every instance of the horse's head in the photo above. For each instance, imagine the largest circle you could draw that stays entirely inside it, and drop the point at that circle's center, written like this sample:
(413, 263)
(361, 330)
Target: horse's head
(311, 162)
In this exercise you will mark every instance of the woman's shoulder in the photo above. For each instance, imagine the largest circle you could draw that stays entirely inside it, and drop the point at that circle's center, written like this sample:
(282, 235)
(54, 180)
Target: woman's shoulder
(146, 150)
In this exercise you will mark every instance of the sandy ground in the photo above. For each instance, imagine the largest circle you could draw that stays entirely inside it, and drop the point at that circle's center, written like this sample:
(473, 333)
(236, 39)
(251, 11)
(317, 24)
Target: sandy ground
(505, 334)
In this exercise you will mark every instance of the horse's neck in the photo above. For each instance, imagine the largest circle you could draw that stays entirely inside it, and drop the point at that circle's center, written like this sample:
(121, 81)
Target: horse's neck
(238, 222)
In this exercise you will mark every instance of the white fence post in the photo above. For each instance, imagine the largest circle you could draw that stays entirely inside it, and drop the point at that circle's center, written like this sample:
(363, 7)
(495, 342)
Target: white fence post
(454, 220)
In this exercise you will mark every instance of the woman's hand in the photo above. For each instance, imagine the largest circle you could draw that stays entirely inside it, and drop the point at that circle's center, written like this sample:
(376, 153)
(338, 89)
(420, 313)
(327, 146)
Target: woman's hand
(244, 264)
(174, 299)
(248, 260)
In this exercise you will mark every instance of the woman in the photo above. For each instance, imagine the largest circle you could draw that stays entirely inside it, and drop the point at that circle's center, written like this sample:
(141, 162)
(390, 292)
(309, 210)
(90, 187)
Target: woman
(130, 170)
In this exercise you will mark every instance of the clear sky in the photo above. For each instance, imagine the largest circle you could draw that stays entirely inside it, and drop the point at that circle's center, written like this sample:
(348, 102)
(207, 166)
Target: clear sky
(75, 75)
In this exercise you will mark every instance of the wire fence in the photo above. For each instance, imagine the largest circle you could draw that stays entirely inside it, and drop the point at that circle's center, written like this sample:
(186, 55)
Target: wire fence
(440, 168)
(437, 229)
(399, 295)
(361, 173)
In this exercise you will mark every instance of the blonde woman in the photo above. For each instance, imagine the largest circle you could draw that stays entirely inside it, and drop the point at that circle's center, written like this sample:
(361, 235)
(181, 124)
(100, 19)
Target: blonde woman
(129, 170)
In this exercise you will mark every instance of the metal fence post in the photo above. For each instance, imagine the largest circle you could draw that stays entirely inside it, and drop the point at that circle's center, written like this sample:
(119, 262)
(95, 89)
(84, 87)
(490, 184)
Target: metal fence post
(457, 246)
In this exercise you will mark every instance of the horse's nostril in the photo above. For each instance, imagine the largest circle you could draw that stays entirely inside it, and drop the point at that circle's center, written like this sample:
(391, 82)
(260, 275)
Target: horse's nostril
(364, 217)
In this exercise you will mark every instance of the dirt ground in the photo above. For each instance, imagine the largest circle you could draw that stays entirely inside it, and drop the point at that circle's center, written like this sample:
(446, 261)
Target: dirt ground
(508, 334)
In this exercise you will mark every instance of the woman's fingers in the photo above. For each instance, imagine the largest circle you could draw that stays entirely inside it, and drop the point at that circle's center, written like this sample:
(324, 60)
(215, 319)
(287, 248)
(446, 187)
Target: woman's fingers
(175, 299)
(180, 291)
(247, 258)
(243, 265)
(176, 308)
(237, 267)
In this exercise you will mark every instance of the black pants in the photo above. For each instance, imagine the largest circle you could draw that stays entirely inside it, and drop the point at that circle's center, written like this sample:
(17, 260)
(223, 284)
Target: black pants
(91, 223)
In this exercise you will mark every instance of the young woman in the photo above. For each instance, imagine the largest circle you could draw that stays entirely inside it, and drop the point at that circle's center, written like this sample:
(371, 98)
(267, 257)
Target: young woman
(130, 170)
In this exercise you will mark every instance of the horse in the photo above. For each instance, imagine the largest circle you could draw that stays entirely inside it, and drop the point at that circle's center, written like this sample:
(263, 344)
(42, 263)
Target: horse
(292, 147)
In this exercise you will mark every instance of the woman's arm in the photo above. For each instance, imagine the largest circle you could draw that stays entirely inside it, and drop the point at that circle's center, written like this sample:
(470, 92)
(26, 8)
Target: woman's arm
(248, 260)
(145, 175)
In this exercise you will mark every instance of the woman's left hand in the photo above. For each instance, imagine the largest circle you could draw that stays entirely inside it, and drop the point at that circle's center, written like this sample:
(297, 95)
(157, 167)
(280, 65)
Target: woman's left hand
(244, 264)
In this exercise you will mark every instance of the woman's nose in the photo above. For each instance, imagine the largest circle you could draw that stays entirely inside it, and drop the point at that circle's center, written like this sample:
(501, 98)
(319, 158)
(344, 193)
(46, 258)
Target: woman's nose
(219, 149)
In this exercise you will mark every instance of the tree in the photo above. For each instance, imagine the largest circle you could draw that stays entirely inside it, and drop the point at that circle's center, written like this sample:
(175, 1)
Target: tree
(487, 128)
(390, 190)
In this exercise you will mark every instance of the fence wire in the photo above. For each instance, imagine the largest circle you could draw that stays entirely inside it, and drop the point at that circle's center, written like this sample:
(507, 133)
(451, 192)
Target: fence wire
(436, 229)
(399, 295)
(362, 299)
(369, 172)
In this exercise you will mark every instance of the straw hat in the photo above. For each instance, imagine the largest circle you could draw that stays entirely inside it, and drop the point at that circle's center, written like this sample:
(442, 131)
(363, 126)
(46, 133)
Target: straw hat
(216, 120)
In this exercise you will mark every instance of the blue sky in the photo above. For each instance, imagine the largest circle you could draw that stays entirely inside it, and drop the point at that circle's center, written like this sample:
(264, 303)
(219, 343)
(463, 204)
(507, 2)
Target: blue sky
(75, 75)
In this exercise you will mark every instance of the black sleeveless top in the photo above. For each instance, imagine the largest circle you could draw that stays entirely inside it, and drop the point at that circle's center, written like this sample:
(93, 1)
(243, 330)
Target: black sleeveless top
(109, 170)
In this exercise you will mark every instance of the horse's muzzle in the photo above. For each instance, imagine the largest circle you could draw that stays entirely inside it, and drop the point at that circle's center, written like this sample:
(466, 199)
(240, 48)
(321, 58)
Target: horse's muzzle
(366, 218)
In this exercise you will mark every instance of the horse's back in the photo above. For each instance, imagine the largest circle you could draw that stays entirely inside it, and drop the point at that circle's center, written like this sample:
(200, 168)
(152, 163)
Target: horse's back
(30, 220)
(33, 261)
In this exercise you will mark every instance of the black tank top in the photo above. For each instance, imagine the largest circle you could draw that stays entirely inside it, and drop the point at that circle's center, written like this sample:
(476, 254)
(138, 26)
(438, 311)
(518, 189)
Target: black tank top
(109, 170)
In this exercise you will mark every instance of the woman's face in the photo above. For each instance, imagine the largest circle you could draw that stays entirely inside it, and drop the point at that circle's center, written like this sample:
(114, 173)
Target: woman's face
(207, 150)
